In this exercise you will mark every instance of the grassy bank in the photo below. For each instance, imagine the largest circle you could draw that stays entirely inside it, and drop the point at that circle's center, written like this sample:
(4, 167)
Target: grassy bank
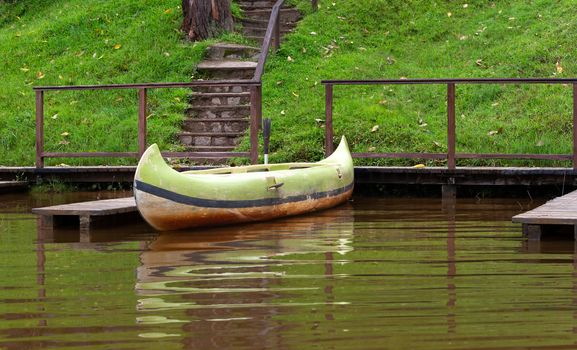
(425, 39)
(69, 42)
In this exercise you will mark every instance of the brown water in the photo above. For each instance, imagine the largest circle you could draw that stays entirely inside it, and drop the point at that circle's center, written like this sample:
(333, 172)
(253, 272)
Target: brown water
(371, 274)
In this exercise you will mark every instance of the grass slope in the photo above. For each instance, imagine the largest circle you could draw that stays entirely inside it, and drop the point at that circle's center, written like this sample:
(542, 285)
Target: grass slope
(73, 42)
(69, 42)
(378, 39)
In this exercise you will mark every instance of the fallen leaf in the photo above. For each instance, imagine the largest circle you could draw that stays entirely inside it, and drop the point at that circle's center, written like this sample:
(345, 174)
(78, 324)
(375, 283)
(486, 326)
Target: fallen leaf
(63, 142)
(449, 14)
(66, 133)
(437, 144)
(493, 132)
(495, 104)
(24, 69)
(383, 102)
(295, 94)
(290, 59)
(419, 166)
(39, 75)
(304, 50)
(55, 116)
(559, 67)
(117, 46)
(372, 149)
(313, 33)
(540, 143)
(282, 112)
(167, 11)
(375, 128)
(479, 62)
(465, 6)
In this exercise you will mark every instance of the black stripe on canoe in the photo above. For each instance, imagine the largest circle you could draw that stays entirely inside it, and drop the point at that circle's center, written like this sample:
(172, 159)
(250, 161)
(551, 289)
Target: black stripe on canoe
(229, 204)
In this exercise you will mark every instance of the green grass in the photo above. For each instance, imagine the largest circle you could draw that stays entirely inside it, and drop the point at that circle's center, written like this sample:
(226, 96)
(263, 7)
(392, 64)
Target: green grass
(69, 42)
(419, 39)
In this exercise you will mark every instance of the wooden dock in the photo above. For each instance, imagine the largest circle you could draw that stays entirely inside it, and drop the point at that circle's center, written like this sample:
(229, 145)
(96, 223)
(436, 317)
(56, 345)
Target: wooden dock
(88, 214)
(558, 213)
(13, 186)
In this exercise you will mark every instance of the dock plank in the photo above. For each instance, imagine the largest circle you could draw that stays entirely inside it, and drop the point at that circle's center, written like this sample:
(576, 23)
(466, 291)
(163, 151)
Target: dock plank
(559, 211)
(12, 186)
(92, 208)
(88, 214)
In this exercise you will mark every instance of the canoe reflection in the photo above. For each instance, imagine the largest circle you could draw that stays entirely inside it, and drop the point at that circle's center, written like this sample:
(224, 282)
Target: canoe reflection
(212, 280)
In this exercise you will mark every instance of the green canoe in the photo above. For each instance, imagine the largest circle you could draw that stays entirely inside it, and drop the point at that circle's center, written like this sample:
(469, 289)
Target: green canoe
(172, 200)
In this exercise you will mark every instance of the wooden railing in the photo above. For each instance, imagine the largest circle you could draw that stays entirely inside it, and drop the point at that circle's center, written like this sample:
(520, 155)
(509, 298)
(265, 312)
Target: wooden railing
(142, 89)
(451, 155)
(255, 84)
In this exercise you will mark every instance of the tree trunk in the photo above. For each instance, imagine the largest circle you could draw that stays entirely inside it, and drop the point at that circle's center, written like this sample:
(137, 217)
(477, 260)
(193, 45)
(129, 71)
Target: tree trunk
(206, 18)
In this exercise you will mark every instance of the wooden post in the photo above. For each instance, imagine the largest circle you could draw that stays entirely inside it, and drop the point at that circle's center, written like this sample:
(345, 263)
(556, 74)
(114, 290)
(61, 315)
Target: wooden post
(39, 128)
(142, 97)
(255, 120)
(574, 126)
(451, 126)
(329, 147)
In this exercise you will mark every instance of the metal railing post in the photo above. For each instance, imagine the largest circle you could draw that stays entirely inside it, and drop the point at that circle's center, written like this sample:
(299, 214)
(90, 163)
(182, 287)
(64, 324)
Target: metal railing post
(39, 129)
(451, 164)
(142, 97)
(255, 120)
(574, 126)
(329, 147)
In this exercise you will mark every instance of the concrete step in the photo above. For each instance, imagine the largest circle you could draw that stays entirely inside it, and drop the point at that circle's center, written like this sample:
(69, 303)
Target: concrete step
(210, 148)
(219, 98)
(261, 31)
(218, 111)
(257, 3)
(227, 69)
(221, 89)
(224, 125)
(286, 14)
(209, 139)
(226, 65)
(228, 51)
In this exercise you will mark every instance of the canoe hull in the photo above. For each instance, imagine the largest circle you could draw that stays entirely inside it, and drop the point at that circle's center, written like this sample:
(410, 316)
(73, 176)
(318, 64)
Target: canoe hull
(169, 200)
(167, 215)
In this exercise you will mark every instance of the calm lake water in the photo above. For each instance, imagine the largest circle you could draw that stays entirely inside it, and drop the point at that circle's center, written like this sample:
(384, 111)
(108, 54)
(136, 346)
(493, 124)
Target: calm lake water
(372, 274)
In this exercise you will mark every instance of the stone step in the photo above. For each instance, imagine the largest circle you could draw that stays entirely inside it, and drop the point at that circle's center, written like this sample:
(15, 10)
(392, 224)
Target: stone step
(219, 98)
(209, 139)
(227, 69)
(221, 89)
(218, 111)
(210, 148)
(228, 51)
(264, 22)
(261, 31)
(256, 3)
(286, 14)
(228, 125)
(226, 65)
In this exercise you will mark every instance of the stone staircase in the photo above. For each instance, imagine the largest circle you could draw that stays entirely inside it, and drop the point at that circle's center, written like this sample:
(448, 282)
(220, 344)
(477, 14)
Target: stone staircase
(218, 117)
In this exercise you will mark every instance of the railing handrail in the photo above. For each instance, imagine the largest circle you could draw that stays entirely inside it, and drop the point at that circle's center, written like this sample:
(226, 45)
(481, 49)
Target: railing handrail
(451, 155)
(453, 80)
(245, 82)
(271, 29)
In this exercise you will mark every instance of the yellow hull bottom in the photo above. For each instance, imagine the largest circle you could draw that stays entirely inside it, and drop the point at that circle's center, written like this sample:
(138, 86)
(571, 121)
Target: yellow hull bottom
(166, 215)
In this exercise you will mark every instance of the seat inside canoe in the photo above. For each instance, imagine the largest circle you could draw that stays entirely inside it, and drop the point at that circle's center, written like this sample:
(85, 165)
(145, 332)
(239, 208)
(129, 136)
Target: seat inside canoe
(256, 168)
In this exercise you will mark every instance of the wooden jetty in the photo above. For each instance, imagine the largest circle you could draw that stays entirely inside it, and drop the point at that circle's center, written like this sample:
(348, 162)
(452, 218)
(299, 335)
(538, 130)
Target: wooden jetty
(13, 186)
(558, 213)
(88, 214)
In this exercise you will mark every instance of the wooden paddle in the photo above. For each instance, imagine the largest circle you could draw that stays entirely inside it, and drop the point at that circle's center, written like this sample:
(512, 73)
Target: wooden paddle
(266, 136)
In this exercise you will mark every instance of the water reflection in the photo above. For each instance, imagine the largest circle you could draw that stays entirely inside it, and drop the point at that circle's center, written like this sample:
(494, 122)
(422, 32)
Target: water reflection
(375, 273)
(235, 277)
